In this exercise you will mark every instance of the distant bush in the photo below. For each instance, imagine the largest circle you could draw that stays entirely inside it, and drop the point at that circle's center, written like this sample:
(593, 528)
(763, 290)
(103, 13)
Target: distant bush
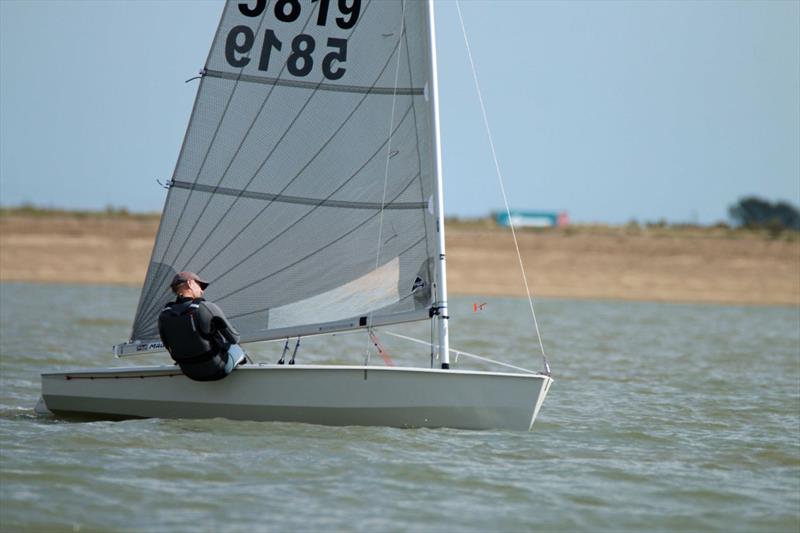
(661, 223)
(116, 211)
(633, 226)
(30, 210)
(753, 212)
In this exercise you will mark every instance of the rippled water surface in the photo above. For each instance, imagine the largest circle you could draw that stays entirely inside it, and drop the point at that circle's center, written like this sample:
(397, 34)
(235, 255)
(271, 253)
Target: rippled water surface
(661, 417)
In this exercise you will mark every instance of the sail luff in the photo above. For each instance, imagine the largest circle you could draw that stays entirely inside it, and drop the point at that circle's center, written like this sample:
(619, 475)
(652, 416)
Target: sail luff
(441, 285)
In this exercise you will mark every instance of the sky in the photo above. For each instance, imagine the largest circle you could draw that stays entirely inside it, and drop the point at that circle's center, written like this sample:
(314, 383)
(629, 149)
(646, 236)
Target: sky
(612, 111)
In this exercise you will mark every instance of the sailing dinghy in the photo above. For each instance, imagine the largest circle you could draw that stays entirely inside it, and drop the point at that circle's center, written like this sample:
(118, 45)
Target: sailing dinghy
(308, 190)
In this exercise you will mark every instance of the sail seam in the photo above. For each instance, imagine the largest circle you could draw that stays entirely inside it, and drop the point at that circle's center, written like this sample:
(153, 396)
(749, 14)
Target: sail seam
(282, 198)
(282, 82)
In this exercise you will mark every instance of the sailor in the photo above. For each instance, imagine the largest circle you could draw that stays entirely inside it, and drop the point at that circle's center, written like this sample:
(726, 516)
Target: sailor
(196, 332)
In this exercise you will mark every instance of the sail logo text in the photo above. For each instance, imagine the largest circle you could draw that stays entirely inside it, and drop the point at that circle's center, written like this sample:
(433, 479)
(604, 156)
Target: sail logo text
(149, 346)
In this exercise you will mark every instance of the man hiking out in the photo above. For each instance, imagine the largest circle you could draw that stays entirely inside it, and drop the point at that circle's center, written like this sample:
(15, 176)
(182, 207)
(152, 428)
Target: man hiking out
(196, 333)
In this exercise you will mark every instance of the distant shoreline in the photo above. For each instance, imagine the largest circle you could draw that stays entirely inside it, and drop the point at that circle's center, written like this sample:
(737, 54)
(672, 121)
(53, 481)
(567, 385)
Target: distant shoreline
(654, 263)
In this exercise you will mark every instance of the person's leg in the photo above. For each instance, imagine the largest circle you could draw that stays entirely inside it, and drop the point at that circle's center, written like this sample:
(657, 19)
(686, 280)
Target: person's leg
(235, 356)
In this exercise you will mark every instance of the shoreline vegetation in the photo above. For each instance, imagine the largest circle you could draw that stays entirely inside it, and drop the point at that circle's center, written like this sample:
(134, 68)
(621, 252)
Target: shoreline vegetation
(647, 262)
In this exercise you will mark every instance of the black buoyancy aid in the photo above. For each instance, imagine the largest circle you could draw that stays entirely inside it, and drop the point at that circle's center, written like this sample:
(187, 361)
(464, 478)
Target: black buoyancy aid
(199, 356)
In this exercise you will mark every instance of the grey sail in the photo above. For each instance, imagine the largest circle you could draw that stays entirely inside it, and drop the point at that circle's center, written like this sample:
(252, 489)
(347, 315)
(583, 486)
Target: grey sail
(303, 190)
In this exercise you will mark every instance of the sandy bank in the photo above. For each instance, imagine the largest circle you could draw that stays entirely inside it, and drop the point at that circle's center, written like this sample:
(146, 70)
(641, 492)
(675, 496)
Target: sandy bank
(579, 263)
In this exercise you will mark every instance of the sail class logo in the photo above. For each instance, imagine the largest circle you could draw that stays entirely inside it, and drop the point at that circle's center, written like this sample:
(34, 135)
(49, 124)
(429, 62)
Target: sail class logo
(419, 283)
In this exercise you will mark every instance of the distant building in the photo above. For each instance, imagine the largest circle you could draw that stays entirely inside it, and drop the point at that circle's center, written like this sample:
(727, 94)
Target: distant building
(534, 219)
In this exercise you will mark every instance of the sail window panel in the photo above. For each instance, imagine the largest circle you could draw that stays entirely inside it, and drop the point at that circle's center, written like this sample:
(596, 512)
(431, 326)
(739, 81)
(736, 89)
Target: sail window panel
(373, 290)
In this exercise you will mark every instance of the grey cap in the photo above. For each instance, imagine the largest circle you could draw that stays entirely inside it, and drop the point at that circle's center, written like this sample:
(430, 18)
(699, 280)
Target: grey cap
(183, 277)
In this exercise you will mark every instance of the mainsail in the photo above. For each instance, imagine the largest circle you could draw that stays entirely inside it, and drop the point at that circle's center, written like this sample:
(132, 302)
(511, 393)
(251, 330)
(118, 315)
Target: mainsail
(304, 186)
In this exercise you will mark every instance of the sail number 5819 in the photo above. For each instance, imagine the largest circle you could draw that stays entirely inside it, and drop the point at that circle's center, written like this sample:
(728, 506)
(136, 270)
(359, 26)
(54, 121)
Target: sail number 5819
(300, 62)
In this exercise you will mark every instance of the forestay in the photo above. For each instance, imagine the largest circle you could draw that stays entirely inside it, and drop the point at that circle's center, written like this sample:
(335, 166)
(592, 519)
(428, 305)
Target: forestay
(311, 135)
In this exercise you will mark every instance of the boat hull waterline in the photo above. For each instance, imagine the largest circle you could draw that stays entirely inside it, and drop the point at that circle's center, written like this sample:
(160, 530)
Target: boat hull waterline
(315, 394)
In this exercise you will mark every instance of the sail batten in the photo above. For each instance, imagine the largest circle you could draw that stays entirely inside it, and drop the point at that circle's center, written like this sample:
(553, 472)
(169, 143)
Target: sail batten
(278, 195)
(298, 199)
(389, 91)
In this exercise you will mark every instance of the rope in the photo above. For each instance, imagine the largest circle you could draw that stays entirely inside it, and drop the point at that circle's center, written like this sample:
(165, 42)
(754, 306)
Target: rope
(379, 347)
(466, 354)
(502, 186)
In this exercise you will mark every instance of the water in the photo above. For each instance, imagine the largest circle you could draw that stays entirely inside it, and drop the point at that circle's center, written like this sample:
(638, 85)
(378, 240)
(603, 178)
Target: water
(662, 417)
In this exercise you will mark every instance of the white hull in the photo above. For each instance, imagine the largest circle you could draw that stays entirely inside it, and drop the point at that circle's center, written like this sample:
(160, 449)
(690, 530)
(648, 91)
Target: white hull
(331, 395)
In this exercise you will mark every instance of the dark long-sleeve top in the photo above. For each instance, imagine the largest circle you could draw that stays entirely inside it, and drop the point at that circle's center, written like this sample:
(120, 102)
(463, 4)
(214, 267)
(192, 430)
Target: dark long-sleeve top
(211, 322)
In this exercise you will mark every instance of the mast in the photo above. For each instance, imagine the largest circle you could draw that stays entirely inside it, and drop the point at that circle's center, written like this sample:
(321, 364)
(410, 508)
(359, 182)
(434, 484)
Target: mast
(441, 286)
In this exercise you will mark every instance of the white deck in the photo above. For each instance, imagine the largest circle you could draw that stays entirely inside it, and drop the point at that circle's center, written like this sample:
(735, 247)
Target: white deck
(331, 395)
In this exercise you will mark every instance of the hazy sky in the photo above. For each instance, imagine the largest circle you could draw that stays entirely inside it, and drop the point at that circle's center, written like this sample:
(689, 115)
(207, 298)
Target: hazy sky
(610, 110)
